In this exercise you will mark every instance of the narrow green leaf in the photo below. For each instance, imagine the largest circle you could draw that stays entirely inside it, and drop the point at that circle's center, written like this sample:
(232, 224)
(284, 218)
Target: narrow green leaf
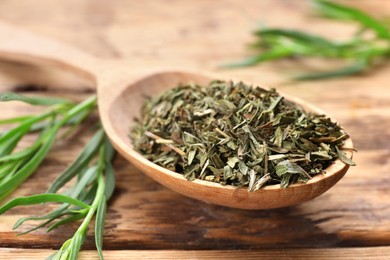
(356, 68)
(306, 38)
(338, 11)
(273, 54)
(51, 216)
(110, 181)
(247, 62)
(72, 218)
(41, 198)
(99, 226)
(82, 160)
(45, 223)
(76, 121)
(13, 136)
(13, 120)
(8, 169)
(27, 169)
(21, 154)
(8, 145)
(39, 101)
(89, 175)
(109, 150)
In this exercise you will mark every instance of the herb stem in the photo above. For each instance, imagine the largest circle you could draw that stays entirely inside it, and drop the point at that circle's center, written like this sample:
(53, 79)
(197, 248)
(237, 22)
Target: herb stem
(164, 141)
(95, 204)
(75, 244)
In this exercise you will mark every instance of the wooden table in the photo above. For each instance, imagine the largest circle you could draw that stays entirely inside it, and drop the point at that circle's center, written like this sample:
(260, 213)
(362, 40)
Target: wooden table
(145, 220)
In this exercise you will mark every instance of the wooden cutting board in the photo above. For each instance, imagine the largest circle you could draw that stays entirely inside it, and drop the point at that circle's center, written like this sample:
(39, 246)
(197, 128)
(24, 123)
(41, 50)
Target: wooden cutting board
(145, 220)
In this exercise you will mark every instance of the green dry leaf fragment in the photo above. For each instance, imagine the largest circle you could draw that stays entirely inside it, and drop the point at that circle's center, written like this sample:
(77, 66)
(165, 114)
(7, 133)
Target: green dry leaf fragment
(232, 161)
(287, 166)
(252, 179)
(243, 168)
(344, 158)
(191, 156)
(321, 155)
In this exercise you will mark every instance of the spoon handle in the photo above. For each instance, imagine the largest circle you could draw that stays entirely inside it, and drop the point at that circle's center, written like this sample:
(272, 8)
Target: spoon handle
(23, 46)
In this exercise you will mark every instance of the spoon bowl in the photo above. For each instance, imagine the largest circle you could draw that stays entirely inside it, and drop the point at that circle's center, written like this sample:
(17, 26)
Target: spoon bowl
(118, 113)
(121, 93)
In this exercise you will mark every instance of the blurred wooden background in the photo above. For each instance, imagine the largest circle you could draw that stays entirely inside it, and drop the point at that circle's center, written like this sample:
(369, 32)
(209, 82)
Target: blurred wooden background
(350, 220)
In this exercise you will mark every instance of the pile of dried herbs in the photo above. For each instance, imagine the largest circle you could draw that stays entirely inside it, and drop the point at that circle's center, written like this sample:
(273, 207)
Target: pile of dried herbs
(236, 134)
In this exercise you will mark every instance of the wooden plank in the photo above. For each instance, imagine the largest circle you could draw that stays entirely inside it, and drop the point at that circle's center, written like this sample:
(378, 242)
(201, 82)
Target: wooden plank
(143, 214)
(373, 253)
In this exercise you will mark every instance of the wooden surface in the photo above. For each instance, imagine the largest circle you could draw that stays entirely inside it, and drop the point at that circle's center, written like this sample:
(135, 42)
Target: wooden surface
(267, 254)
(350, 220)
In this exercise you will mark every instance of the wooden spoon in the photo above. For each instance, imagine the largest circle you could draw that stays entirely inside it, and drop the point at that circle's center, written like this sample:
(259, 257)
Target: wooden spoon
(121, 93)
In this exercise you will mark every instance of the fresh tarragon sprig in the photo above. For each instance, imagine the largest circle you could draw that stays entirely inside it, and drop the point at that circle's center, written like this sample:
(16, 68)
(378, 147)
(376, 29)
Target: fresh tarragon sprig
(369, 45)
(93, 171)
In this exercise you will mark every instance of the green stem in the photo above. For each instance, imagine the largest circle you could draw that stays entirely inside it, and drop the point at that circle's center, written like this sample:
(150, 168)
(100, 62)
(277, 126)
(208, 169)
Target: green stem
(81, 231)
(95, 204)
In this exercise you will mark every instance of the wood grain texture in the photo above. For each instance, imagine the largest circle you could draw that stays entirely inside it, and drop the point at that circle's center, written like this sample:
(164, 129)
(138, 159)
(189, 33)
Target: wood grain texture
(143, 214)
(373, 253)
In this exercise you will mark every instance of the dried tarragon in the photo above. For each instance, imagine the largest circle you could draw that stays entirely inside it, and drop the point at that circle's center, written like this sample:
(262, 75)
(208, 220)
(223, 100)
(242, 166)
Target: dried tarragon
(236, 134)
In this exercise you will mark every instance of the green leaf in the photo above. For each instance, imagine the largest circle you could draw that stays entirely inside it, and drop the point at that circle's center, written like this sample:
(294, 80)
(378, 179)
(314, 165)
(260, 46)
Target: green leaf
(108, 169)
(89, 195)
(28, 169)
(8, 145)
(110, 181)
(9, 140)
(38, 101)
(358, 67)
(89, 175)
(72, 218)
(14, 120)
(21, 154)
(273, 54)
(51, 216)
(41, 198)
(344, 158)
(338, 11)
(8, 168)
(48, 221)
(82, 160)
(99, 226)
(302, 37)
